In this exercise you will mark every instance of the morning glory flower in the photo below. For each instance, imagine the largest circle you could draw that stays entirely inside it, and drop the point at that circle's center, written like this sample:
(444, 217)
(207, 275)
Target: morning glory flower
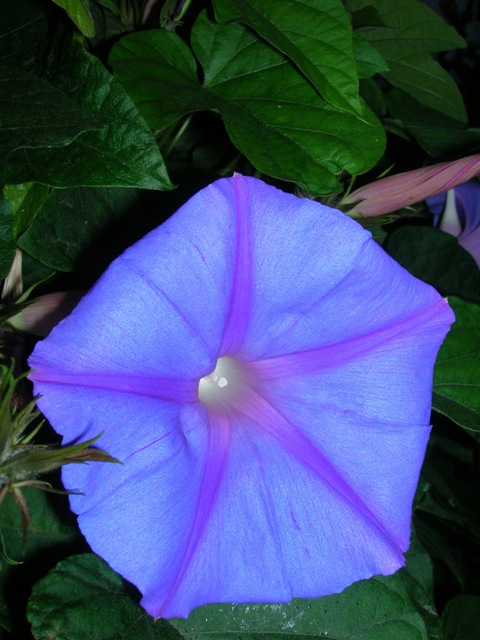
(264, 372)
(458, 213)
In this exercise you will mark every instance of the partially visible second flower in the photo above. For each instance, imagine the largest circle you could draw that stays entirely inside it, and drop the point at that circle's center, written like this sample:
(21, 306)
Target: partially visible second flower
(264, 372)
(458, 212)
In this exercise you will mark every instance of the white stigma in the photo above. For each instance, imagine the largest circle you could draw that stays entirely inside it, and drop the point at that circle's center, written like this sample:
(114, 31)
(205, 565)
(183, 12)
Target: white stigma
(217, 387)
(220, 380)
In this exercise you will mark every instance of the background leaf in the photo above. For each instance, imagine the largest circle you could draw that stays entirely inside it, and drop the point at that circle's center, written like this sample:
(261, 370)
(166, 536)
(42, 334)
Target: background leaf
(438, 134)
(79, 12)
(26, 200)
(317, 37)
(7, 239)
(367, 58)
(460, 619)
(446, 514)
(375, 609)
(122, 153)
(265, 103)
(154, 64)
(83, 229)
(310, 137)
(55, 120)
(406, 35)
(24, 29)
(83, 598)
(73, 89)
(418, 578)
(456, 386)
(436, 258)
(54, 535)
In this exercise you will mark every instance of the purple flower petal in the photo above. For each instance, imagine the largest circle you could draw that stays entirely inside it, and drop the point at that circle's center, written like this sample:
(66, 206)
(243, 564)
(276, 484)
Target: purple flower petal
(467, 197)
(465, 205)
(264, 372)
(471, 242)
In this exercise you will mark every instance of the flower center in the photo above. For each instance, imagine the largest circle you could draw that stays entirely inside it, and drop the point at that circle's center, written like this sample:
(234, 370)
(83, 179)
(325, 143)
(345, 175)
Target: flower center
(218, 387)
(221, 381)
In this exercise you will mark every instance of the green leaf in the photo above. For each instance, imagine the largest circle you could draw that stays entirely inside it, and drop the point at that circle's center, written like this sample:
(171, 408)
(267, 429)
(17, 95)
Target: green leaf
(450, 496)
(317, 37)
(418, 578)
(155, 64)
(81, 229)
(79, 12)
(36, 115)
(24, 30)
(49, 532)
(111, 22)
(446, 511)
(52, 538)
(375, 609)
(271, 113)
(26, 201)
(7, 239)
(411, 32)
(439, 135)
(374, 97)
(35, 273)
(275, 117)
(456, 385)
(105, 141)
(460, 618)
(426, 81)
(436, 258)
(110, 4)
(83, 598)
(367, 58)
(122, 152)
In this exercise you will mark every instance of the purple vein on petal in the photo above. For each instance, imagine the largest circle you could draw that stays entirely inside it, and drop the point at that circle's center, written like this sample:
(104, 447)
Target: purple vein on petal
(342, 352)
(237, 319)
(187, 324)
(150, 444)
(213, 470)
(258, 409)
(153, 386)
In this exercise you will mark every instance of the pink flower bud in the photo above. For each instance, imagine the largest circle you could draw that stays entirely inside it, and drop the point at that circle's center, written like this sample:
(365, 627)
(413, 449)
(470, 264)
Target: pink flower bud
(43, 313)
(404, 189)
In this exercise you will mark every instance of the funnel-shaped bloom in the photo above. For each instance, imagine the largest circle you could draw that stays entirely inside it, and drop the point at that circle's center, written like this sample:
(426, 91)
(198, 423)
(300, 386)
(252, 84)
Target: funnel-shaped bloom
(263, 370)
(458, 213)
(404, 189)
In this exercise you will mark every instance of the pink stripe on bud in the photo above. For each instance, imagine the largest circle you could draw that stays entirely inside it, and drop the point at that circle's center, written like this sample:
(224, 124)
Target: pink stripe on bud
(405, 189)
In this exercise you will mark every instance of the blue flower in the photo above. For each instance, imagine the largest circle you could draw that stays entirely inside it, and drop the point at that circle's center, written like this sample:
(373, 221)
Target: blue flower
(264, 372)
(457, 212)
